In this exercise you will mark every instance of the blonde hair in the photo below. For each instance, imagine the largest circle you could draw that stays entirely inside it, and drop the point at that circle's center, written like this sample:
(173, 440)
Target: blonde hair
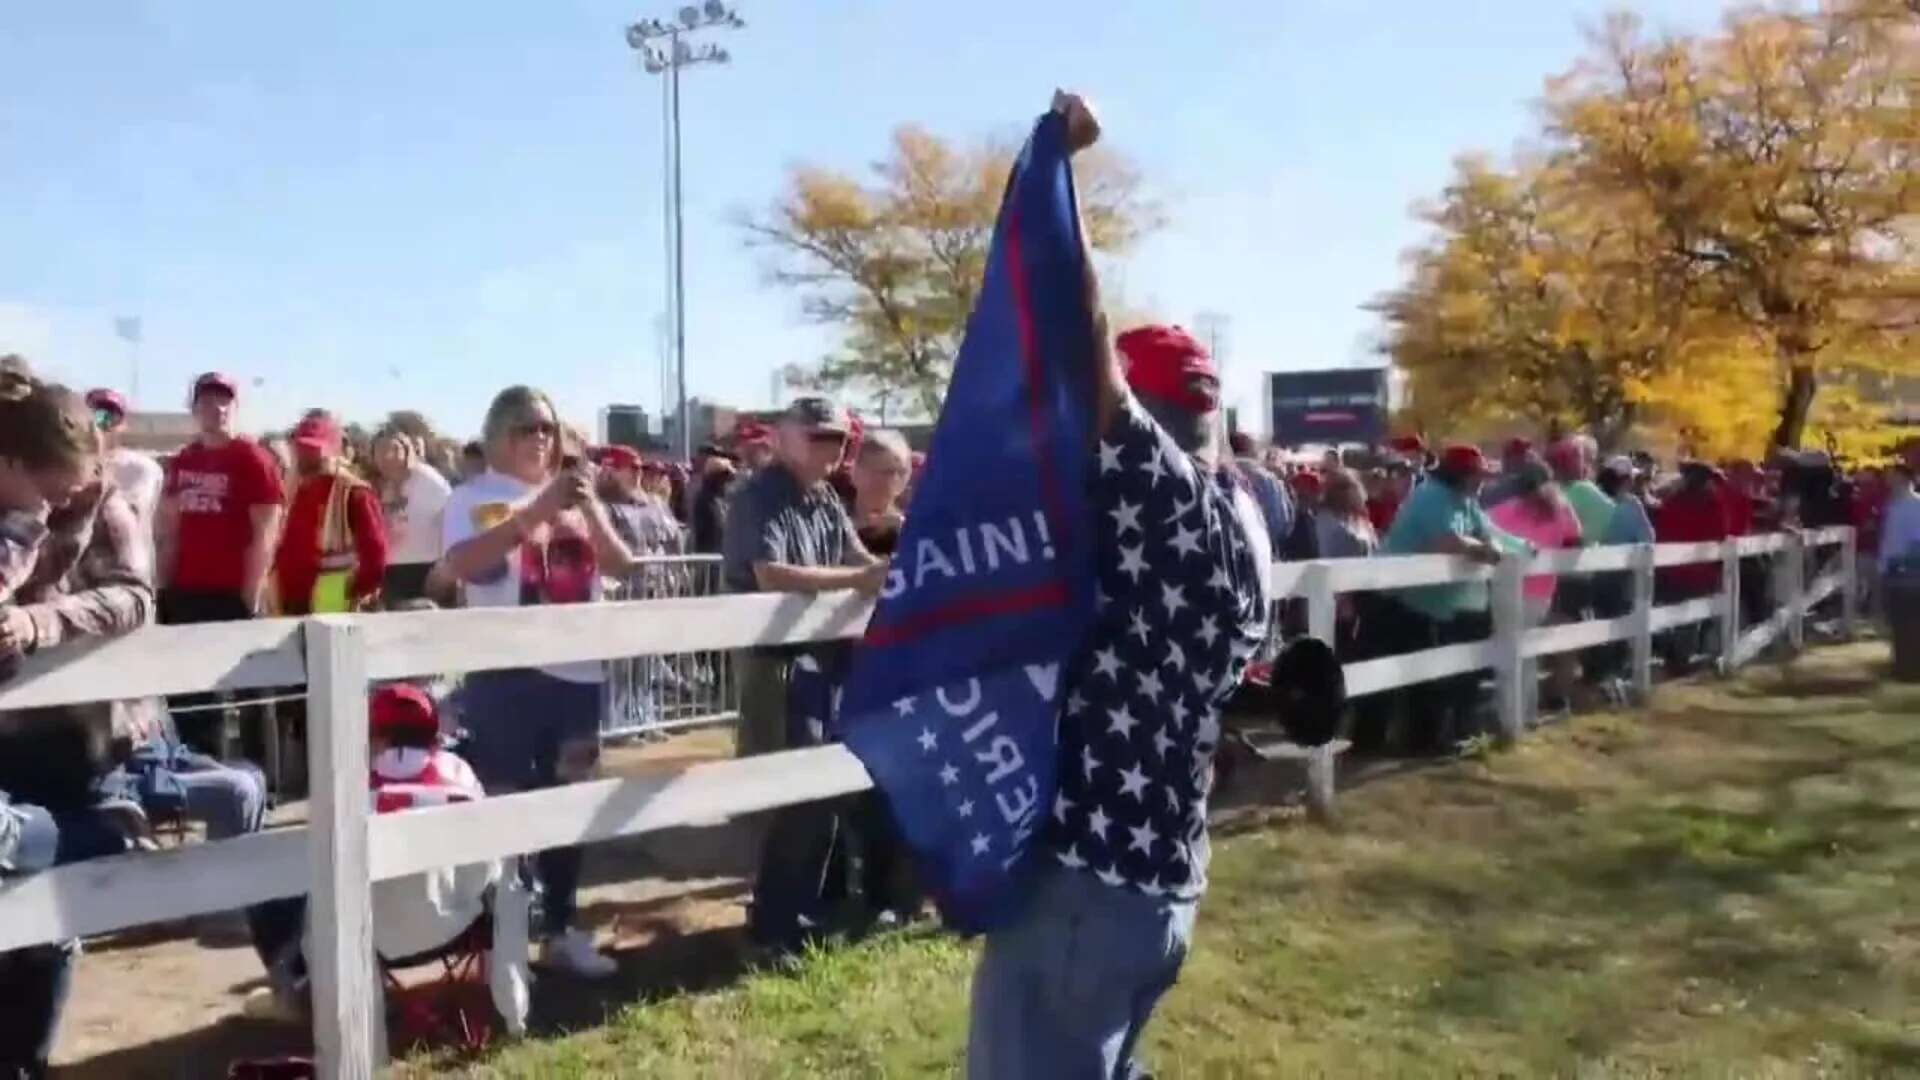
(508, 407)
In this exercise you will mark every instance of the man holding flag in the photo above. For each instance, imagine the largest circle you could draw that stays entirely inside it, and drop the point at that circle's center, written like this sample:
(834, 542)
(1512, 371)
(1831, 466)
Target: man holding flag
(1078, 589)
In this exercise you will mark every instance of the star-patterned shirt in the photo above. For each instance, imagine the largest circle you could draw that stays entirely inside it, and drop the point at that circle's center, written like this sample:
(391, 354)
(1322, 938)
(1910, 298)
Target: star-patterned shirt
(1182, 610)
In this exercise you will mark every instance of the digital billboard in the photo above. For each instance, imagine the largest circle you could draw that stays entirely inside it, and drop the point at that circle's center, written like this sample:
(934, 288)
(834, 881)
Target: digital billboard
(1342, 405)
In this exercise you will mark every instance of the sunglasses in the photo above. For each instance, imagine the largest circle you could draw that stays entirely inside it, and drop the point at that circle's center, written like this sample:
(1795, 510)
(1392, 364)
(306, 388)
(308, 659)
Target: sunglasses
(107, 419)
(536, 427)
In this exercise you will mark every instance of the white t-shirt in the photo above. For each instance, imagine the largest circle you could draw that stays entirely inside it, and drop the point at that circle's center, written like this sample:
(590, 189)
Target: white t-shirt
(559, 567)
(139, 478)
(414, 523)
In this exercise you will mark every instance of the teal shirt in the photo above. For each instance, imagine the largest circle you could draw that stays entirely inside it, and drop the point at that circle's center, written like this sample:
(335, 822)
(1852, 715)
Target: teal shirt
(1433, 511)
(1592, 507)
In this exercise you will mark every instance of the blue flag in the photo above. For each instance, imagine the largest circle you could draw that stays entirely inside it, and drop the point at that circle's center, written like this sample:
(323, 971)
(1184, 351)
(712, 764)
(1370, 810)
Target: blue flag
(953, 698)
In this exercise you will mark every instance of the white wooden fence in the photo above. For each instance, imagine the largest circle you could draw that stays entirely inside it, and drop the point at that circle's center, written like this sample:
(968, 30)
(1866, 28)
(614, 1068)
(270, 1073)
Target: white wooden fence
(345, 848)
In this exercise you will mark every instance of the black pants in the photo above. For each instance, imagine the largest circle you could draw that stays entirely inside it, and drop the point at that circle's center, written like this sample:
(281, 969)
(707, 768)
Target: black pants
(1368, 635)
(1440, 713)
(200, 728)
(404, 582)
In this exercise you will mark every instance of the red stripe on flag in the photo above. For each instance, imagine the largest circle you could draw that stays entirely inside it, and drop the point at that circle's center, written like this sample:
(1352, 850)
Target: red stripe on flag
(1008, 602)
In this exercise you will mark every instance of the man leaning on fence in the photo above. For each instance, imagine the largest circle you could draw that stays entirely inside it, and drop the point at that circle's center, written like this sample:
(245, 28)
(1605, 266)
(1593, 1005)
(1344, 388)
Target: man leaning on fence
(788, 532)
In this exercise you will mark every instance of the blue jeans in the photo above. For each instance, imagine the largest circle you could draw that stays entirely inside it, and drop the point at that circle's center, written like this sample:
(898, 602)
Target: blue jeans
(168, 779)
(528, 730)
(1064, 992)
(36, 980)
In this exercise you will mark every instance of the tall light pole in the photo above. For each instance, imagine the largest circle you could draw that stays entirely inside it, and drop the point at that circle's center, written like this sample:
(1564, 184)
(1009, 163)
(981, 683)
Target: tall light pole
(664, 50)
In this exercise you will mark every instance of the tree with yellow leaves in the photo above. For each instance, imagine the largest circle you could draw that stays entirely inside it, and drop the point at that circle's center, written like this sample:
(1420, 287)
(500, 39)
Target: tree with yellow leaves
(1779, 163)
(896, 262)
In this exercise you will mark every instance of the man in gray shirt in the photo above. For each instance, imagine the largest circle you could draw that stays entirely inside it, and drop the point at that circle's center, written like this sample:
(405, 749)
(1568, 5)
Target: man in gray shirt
(788, 532)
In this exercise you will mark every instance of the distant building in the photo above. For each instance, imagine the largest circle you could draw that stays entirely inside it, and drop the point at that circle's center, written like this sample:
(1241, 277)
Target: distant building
(159, 433)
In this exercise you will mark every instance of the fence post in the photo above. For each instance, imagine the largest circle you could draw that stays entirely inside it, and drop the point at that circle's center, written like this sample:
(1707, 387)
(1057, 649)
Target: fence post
(340, 953)
(1316, 581)
(1849, 584)
(1509, 636)
(1796, 589)
(1642, 672)
(1730, 605)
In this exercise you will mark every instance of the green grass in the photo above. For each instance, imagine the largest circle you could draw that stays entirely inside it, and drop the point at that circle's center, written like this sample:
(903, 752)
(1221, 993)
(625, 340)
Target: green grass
(1728, 887)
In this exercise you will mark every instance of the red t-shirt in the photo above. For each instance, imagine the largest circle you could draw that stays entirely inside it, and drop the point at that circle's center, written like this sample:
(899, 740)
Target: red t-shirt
(1692, 517)
(216, 489)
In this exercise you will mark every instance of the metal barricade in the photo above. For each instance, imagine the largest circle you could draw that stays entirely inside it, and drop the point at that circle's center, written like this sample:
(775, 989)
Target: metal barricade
(657, 694)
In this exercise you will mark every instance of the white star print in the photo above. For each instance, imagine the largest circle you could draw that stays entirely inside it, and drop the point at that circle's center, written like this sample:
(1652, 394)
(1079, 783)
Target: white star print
(1186, 541)
(1209, 630)
(1109, 458)
(1133, 562)
(1176, 656)
(1173, 799)
(1143, 838)
(1106, 662)
(1123, 722)
(904, 706)
(1171, 598)
(1154, 466)
(1126, 517)
(1182, 509)
(1133, 781)
(928, 740)
(1061, 804)
(1088, 762)
(1150, 686)
(1076, 704)
(949, 775)
(1070, 858)
(1109, 878)
(1097, 823)
(1179, 710)
(966, 808)
(1219, 580)
(1139, 627)
(1161, 743)
(1152, 887)
(980, 843)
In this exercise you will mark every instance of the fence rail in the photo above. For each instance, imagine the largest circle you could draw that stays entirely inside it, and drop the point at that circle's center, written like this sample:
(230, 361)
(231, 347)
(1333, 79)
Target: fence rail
(345, 848)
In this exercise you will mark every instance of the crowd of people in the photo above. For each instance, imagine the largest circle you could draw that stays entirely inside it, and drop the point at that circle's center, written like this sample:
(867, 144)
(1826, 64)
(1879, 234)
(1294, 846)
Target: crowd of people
(97, 540)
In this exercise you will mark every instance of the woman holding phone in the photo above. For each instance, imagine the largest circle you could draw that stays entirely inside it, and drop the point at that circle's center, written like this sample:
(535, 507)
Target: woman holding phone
(530, 531)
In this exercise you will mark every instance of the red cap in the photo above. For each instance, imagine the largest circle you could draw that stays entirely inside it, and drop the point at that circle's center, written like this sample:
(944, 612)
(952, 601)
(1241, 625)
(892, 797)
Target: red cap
(1307, 483)
(618, 457)
(1166, 363)
(317, 432)
(401, 707)
(1407, 444)
(108, 400)
(751, 433)
(1565, 455)
(1463, 458)
(1518, 446)
(213, 380)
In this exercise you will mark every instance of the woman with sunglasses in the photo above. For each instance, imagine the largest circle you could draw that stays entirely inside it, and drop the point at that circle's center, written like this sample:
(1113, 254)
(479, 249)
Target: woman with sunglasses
(137, 476)
(530, 531)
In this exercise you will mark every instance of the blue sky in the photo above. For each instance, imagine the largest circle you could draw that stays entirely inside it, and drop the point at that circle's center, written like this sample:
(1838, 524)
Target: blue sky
(367, 206)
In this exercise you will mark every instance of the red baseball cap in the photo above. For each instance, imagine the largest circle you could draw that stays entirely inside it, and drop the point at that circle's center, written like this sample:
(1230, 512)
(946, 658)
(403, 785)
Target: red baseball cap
(1407, 444)
(316, 432)
(1565, 455)
(213, 380)
(1307, 482)
(401, 707)
(107, 400)
(1464, 458)
(1166, 363)
(1518, 446)
(618, 457)
(752, 433)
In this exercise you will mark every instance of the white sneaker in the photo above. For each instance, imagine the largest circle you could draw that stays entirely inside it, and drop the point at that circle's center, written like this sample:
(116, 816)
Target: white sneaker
(573, 952)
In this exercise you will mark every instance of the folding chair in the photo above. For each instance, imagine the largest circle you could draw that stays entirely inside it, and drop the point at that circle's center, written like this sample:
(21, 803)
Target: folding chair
(483, 974)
